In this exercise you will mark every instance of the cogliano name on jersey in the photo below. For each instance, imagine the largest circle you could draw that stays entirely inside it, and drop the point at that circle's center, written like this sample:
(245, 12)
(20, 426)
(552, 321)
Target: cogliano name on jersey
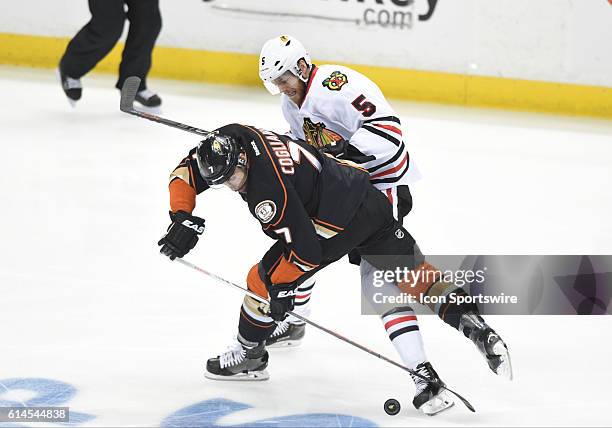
(281, 152)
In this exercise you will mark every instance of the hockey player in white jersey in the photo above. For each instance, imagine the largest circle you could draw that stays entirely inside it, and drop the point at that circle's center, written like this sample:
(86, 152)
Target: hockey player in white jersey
(342, 112)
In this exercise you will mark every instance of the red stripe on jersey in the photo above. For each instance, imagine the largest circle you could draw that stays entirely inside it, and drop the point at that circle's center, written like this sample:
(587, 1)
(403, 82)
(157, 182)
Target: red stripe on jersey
(406, 318)
(389, 128)
(310, 79)
(302, 296)
(390, 196)
(392, 170)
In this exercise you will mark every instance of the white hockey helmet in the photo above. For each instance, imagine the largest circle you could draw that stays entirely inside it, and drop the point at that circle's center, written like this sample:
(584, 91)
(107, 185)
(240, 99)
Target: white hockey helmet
(279, 55)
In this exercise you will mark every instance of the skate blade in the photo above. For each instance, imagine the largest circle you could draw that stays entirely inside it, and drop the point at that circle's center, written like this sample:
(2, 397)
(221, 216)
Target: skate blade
(438, 404)
(151, 110)
(505, 368)
(253, 376)
(285, 344)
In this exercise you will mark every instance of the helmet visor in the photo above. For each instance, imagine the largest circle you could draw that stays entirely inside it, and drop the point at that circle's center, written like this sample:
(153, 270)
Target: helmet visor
(287, 79)
(271, 87)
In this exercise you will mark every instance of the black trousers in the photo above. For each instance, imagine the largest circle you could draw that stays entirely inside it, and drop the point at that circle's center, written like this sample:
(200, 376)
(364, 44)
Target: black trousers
(98, 37)
(404, 206)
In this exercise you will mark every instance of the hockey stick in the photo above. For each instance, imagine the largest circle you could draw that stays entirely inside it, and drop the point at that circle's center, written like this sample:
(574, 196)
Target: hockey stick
(126, 104)
(326, 330)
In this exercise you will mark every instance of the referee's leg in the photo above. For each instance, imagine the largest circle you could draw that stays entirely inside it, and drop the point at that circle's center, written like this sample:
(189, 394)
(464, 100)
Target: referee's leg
(96, 39)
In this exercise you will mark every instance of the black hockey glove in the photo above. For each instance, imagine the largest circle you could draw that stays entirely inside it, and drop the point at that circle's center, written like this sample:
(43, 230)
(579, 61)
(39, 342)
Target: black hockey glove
(337, 149)
(282, 297)
(182, 234)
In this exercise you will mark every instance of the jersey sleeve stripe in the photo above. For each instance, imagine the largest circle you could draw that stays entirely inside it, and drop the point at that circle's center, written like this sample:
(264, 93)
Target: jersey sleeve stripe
(348, 163)
(383, 119)
(382, 134)
(390, 179)
(391, 170)
(192, 177)
(302, 264)
(389, 128)
(324, 232)
(331, 226)
(395, 157)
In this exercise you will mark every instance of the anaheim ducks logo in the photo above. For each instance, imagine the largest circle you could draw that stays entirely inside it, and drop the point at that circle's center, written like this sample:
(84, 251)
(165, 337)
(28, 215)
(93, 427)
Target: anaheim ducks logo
(317, 135)
(216, 147)
(335, 81)
(265, 211)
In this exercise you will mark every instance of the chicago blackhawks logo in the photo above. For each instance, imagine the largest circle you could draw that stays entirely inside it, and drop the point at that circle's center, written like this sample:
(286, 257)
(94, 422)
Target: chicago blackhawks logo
(317, 135)
(265, 211)
(335, 81)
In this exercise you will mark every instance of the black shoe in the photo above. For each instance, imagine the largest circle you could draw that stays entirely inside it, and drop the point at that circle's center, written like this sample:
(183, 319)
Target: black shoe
(72, 87)
(429, 397)
(148, 98)
(239, 363)
(489, 343)
(286, 335)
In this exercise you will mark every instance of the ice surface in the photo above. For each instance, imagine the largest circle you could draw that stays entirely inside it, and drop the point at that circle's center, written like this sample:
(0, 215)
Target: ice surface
(92, 317)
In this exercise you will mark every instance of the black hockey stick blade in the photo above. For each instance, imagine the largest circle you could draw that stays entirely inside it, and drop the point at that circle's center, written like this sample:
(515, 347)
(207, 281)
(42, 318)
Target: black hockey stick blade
(128, 93)
(126, 104)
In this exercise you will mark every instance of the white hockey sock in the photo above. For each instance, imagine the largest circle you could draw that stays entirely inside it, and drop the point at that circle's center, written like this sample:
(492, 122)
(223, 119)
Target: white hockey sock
(302, 301)
(400, 322)
(403, 330)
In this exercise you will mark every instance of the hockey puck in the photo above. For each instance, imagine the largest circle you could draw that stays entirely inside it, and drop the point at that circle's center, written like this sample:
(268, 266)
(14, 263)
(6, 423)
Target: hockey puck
(392, 407)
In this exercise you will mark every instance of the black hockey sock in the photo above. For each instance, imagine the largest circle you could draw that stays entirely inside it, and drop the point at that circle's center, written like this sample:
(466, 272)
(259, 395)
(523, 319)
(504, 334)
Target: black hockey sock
(448, 309)
(253, 327)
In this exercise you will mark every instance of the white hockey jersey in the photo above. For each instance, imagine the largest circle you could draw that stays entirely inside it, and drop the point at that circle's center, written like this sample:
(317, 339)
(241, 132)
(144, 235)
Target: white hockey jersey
(342, 103)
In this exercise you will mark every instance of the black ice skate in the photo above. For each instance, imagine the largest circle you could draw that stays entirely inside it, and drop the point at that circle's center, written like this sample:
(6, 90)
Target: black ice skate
(72, 87)
(488, 342)
(430, 398)
(286, 335)
(239, 363)
(148, 98)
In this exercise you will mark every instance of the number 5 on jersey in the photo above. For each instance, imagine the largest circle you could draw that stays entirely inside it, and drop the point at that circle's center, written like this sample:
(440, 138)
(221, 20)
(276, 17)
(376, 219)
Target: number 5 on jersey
(366, 108)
